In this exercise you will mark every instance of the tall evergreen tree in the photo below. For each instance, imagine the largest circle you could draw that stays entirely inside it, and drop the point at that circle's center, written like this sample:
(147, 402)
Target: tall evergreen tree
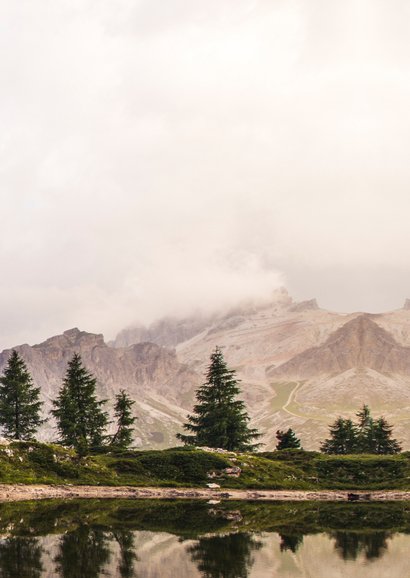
(81, 421)
(123, 412)
(343, 438)
(20, 405)
(287, 440)
(220, 420)
(368, 436)
(365, 442)
(384, 443)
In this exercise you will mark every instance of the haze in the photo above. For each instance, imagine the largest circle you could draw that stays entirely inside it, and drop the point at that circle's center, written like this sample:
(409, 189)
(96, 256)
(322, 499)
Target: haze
(162, 157)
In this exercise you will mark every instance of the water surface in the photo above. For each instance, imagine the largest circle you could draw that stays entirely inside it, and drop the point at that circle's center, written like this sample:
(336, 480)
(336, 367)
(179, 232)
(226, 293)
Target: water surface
(161, 539)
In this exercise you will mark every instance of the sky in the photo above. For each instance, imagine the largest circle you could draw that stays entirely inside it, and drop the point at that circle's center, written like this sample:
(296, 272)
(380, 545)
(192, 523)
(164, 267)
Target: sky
(162, 157)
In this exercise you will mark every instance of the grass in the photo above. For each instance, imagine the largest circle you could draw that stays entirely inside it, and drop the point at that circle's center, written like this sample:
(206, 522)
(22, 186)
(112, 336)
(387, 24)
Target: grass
(37, 463)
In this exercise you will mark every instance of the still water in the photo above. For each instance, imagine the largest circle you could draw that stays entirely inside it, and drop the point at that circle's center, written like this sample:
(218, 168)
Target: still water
(161, 539)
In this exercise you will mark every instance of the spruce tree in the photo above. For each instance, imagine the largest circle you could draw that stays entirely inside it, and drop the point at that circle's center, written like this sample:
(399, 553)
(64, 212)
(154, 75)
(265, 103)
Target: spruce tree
(369, 436)
(81, 422)
(343, 438)
(20, 405)
(123, 412)
(220, 420)
(383, 441)
(287, 440)
(365, 442)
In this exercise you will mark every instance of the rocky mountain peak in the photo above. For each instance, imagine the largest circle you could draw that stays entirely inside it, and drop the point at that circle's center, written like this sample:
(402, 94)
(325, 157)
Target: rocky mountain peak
(359, 343)
(310, 305)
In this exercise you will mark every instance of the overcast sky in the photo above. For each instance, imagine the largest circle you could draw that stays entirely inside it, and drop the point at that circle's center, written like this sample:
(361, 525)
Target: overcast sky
(158, 156)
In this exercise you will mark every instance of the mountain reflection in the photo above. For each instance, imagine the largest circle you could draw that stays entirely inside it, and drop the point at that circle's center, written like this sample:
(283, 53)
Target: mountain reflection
(225, 556)
(164, 539)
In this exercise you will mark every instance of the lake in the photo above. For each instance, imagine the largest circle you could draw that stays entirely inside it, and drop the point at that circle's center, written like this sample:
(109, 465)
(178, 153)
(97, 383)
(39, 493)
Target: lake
(188, 539)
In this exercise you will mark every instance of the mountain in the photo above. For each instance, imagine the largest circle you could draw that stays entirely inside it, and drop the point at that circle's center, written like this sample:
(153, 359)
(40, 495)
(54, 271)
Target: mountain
(300, 366)
(152, 374)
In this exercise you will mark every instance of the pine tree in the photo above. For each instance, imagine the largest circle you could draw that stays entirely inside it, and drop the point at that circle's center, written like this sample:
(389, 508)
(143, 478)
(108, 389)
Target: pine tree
(287, 440)
(122, 411)
(20, 406)
(81, 422)
(220, 420)
(343, 438)
(383, 441)
(369, 436)
(365, 443)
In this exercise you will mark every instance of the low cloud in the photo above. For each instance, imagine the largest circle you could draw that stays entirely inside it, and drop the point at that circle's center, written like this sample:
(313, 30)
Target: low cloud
(155, 161)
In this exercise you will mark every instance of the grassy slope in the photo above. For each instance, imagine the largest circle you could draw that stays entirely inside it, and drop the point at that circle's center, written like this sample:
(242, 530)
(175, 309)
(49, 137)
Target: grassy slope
(30, 463)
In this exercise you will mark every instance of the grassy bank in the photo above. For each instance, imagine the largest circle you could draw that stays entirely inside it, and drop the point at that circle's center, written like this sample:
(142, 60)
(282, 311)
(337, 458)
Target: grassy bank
(35, 463)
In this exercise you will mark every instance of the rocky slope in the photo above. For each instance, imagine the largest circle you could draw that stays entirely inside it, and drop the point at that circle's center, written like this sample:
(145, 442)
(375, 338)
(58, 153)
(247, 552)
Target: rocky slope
(302, 366)
(154, 377)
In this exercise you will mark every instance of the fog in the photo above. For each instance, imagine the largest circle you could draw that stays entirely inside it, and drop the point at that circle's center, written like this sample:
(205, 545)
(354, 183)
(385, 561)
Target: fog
(162, 157)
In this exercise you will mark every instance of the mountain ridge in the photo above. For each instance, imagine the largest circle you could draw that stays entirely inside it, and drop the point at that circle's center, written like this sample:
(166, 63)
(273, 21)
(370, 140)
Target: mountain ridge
(300, 366)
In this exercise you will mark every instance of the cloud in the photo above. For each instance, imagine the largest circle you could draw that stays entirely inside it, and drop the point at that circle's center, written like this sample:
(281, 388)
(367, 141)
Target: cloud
(156, 156)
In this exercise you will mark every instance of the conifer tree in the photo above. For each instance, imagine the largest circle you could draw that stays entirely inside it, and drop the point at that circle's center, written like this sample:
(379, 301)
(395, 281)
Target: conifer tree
(383, 441)
(365, 443)
(81, 421)
(123, 412)
(220, 420)
(343, 438)
(20, 405)
(287, 440)
(368, 436)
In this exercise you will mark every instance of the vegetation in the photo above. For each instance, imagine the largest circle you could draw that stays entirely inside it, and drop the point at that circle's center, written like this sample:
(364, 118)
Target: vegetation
(81, 422)
(287, 440)
(34, 462)
(123, 412)
(20, 406)
(367, 436)
(220, 420)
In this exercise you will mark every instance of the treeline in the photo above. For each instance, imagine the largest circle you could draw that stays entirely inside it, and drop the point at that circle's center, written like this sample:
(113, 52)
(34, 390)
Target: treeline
(219, 418)
(81, 419)
(366, 436)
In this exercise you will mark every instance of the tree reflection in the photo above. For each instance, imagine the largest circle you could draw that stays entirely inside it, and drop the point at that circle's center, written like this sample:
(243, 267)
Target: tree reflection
(350, 544)
(20, 557)
(290, 542)
(83, 553)
(125, 541)
(225, 556)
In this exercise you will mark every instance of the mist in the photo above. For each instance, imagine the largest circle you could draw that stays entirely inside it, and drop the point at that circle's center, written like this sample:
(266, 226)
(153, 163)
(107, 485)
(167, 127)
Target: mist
(159, 158)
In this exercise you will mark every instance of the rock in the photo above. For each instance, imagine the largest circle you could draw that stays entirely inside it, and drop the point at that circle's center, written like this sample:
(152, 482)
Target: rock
(146, 370)
(233, 472)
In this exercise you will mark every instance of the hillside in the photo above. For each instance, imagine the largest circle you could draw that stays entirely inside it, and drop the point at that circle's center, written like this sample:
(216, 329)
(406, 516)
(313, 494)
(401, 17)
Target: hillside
(38, 463)
(302, 366)
(154, 377)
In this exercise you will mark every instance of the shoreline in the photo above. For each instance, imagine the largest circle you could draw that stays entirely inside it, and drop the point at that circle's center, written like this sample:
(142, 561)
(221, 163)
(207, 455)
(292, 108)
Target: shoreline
(20, 492)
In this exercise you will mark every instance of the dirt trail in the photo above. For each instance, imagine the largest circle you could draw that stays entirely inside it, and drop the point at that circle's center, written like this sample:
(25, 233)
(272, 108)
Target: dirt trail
(19, 492)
